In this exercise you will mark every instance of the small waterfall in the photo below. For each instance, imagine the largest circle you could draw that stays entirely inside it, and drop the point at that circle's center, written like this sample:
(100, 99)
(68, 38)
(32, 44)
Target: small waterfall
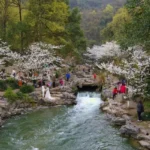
(87, 102)
(88, 99)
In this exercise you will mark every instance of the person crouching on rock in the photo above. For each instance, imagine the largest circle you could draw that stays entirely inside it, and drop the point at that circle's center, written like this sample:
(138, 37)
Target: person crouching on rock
(140, 109)
(115, 91)
(61, 82)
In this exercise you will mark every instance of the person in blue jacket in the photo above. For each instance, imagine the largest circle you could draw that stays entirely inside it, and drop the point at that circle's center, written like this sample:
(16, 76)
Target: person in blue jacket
(68, 76)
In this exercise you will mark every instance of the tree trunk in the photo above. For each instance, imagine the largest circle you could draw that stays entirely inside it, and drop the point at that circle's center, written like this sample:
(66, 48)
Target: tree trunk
(20, 18)
(5, 17)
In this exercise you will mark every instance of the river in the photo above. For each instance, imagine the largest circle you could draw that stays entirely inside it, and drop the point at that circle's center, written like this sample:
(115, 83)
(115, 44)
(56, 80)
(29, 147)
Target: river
(80, 127)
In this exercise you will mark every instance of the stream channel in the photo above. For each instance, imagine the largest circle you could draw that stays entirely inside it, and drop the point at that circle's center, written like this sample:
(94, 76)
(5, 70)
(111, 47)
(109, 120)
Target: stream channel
(79, 127)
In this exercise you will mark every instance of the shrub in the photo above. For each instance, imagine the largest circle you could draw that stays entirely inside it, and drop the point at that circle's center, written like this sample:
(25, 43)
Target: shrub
(20, 95)
(10, 95)
(3, 85)
(74, 89)
(12, 83)
(24, 97)
(57, 75)
(27, 89)
(27, 98)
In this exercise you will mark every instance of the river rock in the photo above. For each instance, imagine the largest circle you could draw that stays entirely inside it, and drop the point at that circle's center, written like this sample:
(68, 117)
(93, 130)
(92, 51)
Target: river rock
(126, 117)
(145, 144)
(118, 121)
(104, 104)
(130, 130)
(68, 96)
(35, 96)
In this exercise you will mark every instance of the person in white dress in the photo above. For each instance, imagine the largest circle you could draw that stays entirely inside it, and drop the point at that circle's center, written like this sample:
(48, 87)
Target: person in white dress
(43, 90)
(13, 74)
(48, 95)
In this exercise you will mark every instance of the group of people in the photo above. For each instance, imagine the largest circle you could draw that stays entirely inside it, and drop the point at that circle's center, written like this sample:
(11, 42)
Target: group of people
(46, 91)
(120, 88)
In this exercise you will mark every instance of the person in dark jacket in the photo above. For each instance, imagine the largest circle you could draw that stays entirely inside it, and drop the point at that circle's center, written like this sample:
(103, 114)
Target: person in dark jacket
(140, 109)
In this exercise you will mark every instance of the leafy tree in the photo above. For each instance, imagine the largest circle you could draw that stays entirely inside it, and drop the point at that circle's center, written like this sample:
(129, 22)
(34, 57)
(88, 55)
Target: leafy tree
(130, 25)
(139, 28)
(107, 15)
(116, 30)
(47, 20)
(4, 17)
(75, 34)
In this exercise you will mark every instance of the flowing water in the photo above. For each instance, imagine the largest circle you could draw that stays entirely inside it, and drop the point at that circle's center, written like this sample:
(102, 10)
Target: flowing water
(81, 127)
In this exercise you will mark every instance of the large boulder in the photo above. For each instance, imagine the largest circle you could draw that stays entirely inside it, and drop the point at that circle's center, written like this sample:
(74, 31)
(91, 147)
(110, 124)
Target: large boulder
(130, 130)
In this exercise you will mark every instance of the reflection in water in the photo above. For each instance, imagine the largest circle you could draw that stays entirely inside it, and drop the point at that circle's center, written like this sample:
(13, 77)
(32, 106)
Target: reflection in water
(81, 127)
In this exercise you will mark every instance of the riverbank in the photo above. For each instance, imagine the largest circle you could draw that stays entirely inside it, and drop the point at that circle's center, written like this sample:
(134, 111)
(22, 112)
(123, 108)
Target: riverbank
(123, 114)
(63, 95)
(67, 128)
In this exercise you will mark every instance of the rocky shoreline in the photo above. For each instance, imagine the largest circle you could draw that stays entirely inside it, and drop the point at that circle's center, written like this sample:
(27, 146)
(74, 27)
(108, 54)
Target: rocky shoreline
(64, 95)
(119, 114)
(18, 108)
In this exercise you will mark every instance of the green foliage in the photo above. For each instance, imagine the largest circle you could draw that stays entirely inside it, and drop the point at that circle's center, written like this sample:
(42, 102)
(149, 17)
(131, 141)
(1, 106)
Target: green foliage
(27, 98)
(107, 15)
(147, 89)
(47, 20)
(3, 85)
(27, 89)
(12, 83)
(75, 34)
(130, 25)
(13, 97)
(95, 15)
(24, 97)
(10, 95)
(147, 105)
(116, 30)
(139, 27)
(20, 95)
(86, 3)
(75, 89)
(57, 75)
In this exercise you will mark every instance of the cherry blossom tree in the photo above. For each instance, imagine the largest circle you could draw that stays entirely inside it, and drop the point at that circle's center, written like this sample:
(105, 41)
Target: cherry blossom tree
(134, 64)
(35, 57)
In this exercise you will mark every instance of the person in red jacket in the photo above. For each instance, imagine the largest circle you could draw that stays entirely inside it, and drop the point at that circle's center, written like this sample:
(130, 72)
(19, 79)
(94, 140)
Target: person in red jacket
(123, 88)
(94, 76)
(115, 92)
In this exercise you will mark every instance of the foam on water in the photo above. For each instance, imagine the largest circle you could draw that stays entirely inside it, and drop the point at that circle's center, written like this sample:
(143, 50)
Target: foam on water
(88, 101)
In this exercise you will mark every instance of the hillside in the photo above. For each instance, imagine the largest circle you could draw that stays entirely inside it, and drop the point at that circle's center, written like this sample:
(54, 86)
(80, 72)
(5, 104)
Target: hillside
(95, 3)
(95, 16)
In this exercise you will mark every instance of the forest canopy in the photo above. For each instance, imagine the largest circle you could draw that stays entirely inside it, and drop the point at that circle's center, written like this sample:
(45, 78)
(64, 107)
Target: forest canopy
(130, 25)
(23, 22)
(95, 16)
